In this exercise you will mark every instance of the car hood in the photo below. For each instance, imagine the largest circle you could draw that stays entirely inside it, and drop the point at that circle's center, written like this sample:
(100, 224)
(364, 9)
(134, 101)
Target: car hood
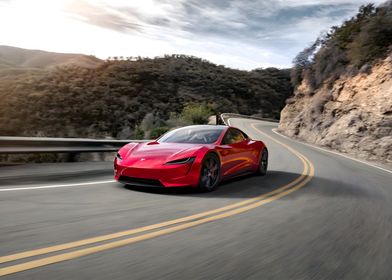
(154, 153)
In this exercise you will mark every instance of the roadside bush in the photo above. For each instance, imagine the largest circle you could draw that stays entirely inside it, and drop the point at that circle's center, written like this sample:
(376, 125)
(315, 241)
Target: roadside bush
(196, 113)
(158, 131)
(139, 133)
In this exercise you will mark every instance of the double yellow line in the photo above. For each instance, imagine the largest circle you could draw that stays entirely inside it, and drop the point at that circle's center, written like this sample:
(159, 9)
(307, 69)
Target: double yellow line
(105, 242)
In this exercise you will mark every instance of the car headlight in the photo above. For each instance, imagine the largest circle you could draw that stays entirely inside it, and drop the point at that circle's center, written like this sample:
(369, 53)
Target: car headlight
(181, 161)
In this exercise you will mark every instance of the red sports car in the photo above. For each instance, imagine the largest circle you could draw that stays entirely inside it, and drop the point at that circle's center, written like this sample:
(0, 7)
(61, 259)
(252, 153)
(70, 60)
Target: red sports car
(198, 156)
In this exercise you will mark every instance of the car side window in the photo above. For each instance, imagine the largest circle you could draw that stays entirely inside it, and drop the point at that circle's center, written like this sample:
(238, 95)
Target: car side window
(227, 138)
(238, 136)
(233, 136)
(245, 135)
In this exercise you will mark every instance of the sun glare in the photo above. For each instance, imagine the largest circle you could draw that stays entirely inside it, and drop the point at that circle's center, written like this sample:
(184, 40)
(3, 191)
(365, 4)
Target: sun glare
(30, 23)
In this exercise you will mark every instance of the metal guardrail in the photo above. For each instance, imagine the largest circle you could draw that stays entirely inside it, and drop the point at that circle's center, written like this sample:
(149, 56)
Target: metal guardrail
(225, 116)
(20, 145)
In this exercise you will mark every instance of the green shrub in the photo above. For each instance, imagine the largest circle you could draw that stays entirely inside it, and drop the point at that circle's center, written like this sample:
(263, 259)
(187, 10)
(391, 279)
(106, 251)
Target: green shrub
(196, 113)
(139, 133)
(158, 131)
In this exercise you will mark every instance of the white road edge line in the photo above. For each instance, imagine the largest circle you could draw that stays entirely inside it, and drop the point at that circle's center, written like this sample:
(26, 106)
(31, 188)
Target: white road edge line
(274, 130)
(56, 186)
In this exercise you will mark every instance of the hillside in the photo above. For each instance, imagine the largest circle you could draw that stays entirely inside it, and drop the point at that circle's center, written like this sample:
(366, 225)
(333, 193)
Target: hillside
(343, 92)
(121, 97)
(12, 58)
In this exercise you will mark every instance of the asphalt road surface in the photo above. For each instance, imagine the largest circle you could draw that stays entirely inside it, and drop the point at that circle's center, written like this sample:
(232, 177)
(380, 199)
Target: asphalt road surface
(316, 215)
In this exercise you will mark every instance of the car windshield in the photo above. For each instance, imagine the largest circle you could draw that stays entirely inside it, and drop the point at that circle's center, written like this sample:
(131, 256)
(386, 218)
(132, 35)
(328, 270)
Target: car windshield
(192, 135)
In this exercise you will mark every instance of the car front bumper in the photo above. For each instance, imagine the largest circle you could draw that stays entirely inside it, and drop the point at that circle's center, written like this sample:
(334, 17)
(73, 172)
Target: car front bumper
(178, 175)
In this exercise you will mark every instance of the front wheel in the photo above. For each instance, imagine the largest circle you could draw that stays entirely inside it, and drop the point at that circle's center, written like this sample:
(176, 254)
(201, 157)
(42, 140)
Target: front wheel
(263, 164)
(210, 173)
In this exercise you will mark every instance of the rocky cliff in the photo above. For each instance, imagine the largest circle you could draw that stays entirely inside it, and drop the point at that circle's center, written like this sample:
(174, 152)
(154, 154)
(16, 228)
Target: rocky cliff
(352, 114)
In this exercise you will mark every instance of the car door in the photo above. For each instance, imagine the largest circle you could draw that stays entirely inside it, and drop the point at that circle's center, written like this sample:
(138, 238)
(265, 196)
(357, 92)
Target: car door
(234, 154)
(250, 152)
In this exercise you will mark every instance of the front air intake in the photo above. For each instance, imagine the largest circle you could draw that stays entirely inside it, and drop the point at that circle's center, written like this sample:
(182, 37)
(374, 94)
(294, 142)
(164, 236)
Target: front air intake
(140, 182)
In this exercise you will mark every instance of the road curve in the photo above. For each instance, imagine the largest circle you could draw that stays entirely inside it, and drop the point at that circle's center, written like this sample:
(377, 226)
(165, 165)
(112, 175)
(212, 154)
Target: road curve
(316, 215)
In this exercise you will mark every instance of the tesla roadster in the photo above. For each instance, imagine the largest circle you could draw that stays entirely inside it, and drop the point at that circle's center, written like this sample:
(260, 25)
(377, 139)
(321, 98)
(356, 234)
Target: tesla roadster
(197, 156)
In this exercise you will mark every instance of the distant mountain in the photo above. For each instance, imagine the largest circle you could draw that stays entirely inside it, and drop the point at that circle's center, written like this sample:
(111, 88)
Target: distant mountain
(12, 58)
(121, 97)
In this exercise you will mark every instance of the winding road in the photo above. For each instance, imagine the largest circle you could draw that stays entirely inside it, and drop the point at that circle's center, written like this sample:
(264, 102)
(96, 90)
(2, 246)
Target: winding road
(316, 215)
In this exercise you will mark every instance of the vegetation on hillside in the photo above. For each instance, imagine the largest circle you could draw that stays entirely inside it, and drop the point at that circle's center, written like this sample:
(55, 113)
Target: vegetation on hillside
(134, 98)
(349, 48)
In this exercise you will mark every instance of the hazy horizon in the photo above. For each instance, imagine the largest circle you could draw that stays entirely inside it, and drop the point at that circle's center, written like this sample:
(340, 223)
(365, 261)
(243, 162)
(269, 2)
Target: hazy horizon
(238, 34)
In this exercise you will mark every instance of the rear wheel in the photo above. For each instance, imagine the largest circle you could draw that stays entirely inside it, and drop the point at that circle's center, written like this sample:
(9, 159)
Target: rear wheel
(263, 164)
(210, 173)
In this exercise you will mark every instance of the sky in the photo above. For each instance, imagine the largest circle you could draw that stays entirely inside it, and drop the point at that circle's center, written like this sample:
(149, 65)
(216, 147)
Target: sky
(244, 34)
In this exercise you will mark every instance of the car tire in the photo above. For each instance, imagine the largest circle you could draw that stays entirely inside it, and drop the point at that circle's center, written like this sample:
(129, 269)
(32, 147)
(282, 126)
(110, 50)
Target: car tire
(209, 173)
(263, 163)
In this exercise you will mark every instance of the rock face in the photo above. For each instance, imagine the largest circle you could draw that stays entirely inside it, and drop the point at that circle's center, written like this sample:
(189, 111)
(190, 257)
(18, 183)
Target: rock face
(352, 115)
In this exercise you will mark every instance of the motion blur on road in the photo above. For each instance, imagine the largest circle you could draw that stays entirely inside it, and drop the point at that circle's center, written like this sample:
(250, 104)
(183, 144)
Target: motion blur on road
(79, 79)
(316, 215)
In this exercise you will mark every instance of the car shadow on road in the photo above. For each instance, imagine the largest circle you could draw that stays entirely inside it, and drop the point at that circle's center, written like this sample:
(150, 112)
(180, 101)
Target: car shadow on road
(240, 187)
(250, 186)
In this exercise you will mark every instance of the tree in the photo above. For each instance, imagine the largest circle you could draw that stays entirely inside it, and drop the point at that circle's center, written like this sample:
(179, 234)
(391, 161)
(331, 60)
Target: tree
(158, 131)
(196, 113)
(139, 133)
